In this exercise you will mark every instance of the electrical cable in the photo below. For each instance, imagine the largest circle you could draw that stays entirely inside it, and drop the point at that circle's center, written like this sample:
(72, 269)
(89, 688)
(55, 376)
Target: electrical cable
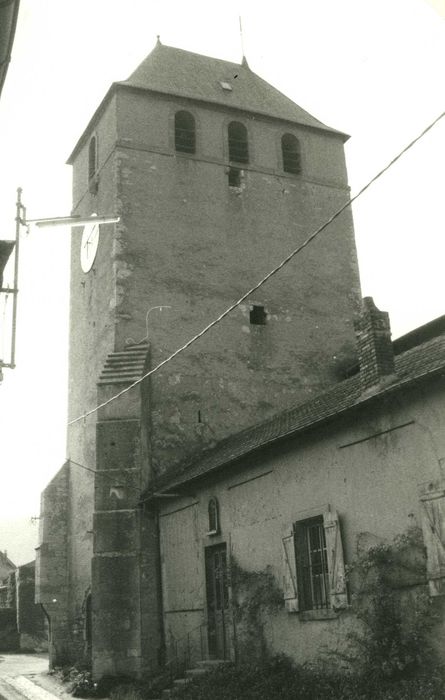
(270, 274)
(104, 474)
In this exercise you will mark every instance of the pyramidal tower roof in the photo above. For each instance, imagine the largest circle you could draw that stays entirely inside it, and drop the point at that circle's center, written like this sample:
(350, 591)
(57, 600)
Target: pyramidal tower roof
(185, 74)
(176, 72)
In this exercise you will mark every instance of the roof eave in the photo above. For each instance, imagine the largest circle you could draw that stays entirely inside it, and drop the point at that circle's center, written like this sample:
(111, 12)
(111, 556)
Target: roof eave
(10, 41)
(94, 119)
(235, 108)
(138, 88)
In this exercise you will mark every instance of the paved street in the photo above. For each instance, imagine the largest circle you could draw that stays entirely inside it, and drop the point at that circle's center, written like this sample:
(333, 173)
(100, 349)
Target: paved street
(25, 676)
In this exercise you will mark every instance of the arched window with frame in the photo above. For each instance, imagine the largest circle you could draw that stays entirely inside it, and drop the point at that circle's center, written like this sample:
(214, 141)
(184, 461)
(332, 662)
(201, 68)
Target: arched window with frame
(238, 143)
(185, 132)
(290, 150)
(213, 512)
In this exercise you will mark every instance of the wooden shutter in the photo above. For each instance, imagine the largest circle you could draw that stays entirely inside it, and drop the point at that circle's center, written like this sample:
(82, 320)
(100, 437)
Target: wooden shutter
(290, 590)
(336, 566)
(432, 502)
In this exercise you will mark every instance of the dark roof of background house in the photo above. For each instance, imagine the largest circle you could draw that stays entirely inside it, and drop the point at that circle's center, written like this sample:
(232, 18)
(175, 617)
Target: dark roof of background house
(183, 73)
(171, 71)
(409, 340)
(9, 11)
(411, 366)
(6, 560)
(6, 248)
(419, 335)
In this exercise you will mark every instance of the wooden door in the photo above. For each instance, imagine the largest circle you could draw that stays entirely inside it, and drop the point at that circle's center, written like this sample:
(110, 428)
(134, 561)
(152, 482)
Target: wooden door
(217, 601)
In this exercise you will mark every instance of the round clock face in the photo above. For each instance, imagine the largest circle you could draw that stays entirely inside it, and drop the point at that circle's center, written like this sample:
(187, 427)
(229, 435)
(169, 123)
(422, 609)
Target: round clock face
(88, 246)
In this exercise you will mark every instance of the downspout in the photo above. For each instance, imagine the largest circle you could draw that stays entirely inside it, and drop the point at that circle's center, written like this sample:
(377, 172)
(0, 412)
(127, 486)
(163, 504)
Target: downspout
(162, 652)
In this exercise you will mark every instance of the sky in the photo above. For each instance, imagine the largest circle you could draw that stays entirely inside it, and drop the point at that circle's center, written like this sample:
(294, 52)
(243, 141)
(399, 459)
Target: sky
(371, 69)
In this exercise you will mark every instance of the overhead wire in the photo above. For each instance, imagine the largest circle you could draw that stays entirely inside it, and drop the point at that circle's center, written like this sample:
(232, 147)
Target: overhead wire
(264, 279)
(104, 474)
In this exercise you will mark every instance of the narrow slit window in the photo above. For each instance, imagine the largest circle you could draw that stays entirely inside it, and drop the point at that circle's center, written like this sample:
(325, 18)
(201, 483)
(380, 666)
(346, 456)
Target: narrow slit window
(213, 511)
(290, 148)
(185, 132)
(238, 143)
(258, 316)
(234, 177)
(92, 166)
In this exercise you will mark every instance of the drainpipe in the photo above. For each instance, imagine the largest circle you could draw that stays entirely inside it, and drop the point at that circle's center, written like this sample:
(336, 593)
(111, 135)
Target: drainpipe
(162, 652)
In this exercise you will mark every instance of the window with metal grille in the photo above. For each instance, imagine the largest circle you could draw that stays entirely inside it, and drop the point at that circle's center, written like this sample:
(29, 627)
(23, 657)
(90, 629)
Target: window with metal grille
(290, 149)
(238, 144)
(312, 564)
(185, 132)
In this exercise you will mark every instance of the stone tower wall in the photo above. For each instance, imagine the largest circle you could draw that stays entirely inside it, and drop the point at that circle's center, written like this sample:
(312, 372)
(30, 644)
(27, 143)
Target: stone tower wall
(188, 241)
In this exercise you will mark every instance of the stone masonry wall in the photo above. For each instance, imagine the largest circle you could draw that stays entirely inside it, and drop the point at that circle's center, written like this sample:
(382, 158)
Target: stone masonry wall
(189, 242)
(52, 583)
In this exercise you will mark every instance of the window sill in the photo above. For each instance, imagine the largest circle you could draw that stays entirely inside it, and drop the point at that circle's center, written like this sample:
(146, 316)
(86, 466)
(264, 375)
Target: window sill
(310, 615)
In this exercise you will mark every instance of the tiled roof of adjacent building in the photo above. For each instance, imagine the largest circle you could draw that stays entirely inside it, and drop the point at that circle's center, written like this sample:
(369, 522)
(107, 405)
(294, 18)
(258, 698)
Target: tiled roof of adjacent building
(419, 362)
(185, 74)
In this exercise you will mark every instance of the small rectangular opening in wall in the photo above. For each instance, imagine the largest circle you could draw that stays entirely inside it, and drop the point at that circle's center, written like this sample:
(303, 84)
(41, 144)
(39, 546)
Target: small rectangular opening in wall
(234, 177)
(258, 316)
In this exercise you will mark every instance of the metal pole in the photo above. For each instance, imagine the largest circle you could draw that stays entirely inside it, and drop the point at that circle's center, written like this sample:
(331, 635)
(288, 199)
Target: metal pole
(18, 222)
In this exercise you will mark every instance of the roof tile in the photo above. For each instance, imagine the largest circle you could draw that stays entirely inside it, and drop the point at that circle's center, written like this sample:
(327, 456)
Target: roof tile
(183, 73)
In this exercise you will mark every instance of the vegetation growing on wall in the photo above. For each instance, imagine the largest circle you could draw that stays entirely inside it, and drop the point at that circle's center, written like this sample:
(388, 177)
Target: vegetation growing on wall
(392, 602)
(254, 593)
(390, 658)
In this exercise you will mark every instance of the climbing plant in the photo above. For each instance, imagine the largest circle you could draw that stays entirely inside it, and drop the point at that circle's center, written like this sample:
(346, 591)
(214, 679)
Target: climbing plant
(392, 602)
(254, 593)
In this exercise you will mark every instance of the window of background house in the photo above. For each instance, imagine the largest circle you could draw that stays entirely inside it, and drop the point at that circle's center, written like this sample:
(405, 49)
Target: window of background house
(238, 144)
(290, 148)
(213, 512)
(92, 166)
(185, 132)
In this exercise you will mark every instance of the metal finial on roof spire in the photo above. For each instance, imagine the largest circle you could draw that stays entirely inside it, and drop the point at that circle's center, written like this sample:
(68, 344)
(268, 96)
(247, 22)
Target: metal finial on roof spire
(158, 38)
(244, 61)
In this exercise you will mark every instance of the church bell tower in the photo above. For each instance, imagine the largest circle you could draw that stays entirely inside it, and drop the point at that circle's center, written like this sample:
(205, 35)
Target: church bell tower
(216, 176)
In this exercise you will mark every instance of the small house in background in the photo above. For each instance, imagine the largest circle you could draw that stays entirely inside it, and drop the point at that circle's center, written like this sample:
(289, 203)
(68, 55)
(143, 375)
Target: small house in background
(8, 623)
(6, 565)
(23, 625)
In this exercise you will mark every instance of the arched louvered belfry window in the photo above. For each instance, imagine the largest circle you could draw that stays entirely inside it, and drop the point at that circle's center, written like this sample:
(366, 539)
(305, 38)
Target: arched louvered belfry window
(185, 132)
(213, 517)
(92, 158)
(290, 149)
(238, 143)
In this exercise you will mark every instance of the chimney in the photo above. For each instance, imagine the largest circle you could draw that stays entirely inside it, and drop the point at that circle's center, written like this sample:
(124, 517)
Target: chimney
(375, 351)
